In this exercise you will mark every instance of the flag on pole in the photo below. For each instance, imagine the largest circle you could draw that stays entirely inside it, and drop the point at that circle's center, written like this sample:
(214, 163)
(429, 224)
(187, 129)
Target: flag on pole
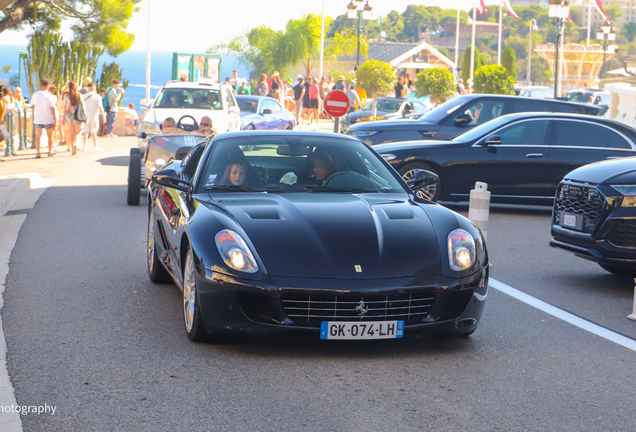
(599, 7)
(508, 6)
(480, 6)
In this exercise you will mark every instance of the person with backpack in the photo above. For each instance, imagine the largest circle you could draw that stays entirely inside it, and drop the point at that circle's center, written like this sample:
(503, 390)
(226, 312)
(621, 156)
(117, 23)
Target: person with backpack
(74, 114)
(113, 95)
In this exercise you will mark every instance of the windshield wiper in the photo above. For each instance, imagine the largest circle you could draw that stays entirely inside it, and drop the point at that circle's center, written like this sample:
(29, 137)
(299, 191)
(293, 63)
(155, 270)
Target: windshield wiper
(234, 188)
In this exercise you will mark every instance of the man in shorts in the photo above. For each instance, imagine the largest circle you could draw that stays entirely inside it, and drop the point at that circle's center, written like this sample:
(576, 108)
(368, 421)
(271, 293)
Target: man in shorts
(94, 108)
(44, 108)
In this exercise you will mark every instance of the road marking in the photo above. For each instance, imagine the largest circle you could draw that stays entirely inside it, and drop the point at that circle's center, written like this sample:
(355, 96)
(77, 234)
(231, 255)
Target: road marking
(563, 315)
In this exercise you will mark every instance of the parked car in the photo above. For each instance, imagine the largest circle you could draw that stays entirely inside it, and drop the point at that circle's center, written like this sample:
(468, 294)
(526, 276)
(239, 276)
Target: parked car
(389, 108)
(157, 151)
(602, 99)
(188, 102)
(457, 116)
(540, 92)
(521, 156)
(264, 113)
(594, 215)
(300, 233)
(584, 95)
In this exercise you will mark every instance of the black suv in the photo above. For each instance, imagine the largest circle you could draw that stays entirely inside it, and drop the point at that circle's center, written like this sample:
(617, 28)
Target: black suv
(594, 215)
(459, 115)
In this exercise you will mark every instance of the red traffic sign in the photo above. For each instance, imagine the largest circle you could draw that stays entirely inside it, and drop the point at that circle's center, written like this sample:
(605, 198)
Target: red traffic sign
(337, 103)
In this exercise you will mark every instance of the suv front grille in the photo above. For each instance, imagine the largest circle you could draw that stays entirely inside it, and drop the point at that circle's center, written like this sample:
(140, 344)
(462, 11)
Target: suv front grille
(303, 308)
(579, 200)
(623, 234)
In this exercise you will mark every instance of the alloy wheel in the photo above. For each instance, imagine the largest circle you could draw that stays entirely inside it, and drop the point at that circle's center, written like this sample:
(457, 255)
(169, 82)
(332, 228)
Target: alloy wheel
(189, 292)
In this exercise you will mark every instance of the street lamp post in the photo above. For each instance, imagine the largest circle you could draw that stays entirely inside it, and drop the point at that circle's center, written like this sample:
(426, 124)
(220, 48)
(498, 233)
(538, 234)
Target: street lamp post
(605, 33)
(559, 10)
(21, 55)
(359, 11)
(533, 27)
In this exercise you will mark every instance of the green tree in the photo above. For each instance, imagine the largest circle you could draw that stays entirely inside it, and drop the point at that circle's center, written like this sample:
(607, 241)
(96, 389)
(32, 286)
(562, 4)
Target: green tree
(493, 79)
(628, 31)
(376, 78)
(509, 62)
(613, 12)
(95, 22)
(479, 62)
(437, 82)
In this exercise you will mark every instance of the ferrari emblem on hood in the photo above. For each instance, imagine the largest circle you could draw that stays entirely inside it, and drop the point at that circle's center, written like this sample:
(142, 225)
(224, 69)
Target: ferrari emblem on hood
(358, 269)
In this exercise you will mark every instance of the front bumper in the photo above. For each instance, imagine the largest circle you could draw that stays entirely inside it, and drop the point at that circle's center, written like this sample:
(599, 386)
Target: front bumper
(296, 306)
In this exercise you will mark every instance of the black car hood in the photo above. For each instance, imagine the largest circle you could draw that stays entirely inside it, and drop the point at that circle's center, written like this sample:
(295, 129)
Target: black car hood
(391, 124)
(297, 233)
(408, 145)
(616, 171)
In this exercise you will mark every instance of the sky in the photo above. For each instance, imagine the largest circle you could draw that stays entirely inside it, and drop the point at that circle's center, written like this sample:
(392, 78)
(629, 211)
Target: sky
(195, 25)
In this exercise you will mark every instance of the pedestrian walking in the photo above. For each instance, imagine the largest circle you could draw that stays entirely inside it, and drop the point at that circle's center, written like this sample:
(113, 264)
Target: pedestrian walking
(314, 94)
(399, 89)
(44, 115)
(341, 84)
(113, 95)
(102, 121)
(244, 89)
(85, 89)
(94, 109)
(324, 90)
(460, 87)
(235, 82)
(73, 102)
(299, 93)
(306, 110)
(354, 98)
(261, 87)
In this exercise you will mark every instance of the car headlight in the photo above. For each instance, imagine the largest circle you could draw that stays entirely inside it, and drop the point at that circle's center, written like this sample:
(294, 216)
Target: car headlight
(363, 133)
(235, 252)
(461, 250)
(629, 193)
(150, 128)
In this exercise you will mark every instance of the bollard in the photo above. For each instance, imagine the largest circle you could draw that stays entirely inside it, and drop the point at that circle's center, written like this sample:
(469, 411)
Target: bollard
(8, 151)
(32, 129)
(632, 316)
(480, 207)
(21, 136)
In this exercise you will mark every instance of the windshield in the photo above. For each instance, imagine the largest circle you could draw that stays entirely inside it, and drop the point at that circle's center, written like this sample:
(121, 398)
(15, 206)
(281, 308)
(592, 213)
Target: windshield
(189, 98)
(483, 129)
(437, 114)
(279, 164)
(247, 105)
(384, 105)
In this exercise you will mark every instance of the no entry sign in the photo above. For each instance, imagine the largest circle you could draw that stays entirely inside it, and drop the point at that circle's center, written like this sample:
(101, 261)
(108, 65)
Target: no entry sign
(337, 103)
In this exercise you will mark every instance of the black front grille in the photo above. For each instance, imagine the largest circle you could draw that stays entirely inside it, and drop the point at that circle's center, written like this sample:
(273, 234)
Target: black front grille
(312, 309)
(623, 234)
(581, 200)
(586, 243)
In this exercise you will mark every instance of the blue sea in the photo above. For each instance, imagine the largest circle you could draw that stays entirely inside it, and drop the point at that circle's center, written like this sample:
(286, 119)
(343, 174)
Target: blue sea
(133, 64)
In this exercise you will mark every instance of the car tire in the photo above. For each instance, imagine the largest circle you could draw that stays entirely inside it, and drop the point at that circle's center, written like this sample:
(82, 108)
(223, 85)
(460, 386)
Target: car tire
(134, 178)
(193, 321)
(156, 271)
(251, 127)
(135, 150)
(289, 127)
(431, 193)
(620, 271)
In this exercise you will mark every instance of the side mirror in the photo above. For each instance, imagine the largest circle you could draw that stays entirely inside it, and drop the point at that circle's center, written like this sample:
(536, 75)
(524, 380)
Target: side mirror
(422, 179)
(463, 120)
(407, 111)
(266, 111)
(492, 140)
(142, 135)
(168, 178)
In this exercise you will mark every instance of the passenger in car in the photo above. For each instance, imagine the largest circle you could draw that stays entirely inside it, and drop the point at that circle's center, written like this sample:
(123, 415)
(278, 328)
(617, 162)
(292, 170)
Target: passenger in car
(234, 174)
(212, 101)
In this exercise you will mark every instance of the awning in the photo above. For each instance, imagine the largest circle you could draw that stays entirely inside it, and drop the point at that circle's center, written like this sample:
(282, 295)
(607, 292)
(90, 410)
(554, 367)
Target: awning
(413, 65)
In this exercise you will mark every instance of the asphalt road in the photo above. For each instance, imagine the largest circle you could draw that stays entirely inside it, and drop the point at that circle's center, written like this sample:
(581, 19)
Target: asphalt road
(88, 333)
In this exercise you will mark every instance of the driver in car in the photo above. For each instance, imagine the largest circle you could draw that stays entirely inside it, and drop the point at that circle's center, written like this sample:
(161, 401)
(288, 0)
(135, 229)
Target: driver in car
(323, 166)
(212, 101)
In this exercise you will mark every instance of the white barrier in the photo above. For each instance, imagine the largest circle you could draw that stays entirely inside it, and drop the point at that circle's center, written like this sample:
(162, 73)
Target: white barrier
(479, 207)
(622, 103)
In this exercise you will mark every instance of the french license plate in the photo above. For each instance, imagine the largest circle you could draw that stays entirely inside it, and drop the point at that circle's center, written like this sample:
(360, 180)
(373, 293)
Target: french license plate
(571, 221)
(361, 330)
